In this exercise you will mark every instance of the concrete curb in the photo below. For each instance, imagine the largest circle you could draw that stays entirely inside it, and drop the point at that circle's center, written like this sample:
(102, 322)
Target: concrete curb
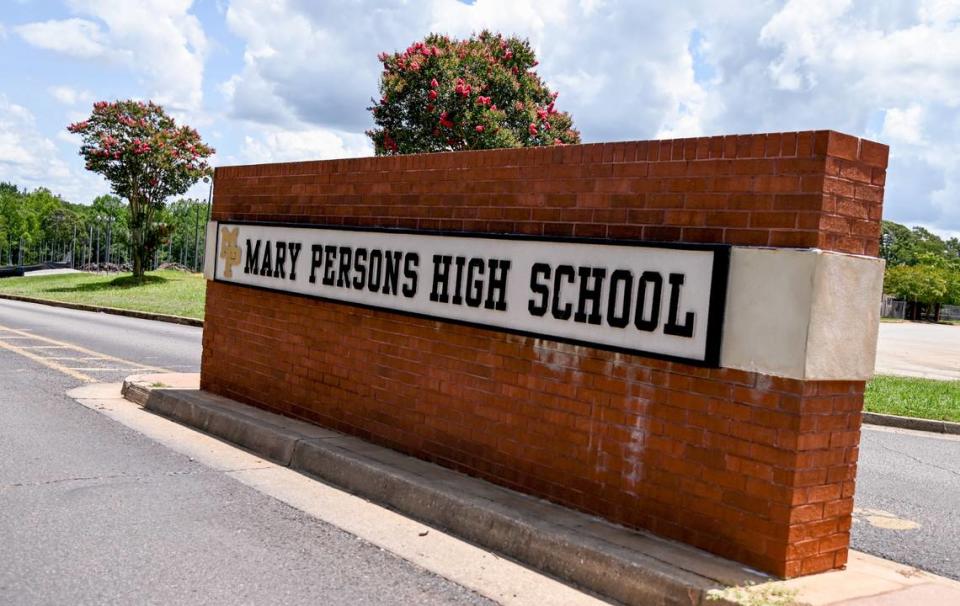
(914, 423)
(130, 313)
(627, 566)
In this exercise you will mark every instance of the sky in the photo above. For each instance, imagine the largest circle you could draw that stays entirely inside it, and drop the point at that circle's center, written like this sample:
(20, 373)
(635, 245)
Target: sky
(275, 80)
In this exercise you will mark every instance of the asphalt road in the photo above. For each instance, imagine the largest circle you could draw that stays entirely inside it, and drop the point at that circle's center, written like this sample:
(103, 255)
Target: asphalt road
(93, 512)
(908, 499)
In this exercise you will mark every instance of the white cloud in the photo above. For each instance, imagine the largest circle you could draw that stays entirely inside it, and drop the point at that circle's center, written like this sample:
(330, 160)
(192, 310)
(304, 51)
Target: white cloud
(76, 37)
(316, 62)
(160, 40)
(68, 95)
(889, 70)
(31, 160)
(886, 69)
(903, 125)
(279, 145)
(23, 150)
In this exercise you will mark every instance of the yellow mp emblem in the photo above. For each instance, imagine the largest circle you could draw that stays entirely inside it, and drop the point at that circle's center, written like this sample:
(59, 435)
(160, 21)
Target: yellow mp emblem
(229, 249)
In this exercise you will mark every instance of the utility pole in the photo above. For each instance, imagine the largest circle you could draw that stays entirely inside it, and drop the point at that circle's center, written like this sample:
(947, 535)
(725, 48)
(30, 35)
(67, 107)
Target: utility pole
(209, 209)
(196, 235)
(109, 236)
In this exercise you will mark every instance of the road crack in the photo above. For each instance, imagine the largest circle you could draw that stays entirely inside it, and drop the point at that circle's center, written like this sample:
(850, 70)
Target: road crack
(918, 459)
(135, 477)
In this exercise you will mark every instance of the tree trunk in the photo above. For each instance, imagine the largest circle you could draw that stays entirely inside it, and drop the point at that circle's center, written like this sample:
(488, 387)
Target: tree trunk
(137, 248)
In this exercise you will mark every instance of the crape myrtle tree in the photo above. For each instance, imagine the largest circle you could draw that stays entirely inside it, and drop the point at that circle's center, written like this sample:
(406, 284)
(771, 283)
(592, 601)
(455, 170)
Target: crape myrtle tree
(147, 158)
(443, 94)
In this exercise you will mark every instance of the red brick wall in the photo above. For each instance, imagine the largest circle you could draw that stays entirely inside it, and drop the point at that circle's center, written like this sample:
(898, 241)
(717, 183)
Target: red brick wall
(752, 467)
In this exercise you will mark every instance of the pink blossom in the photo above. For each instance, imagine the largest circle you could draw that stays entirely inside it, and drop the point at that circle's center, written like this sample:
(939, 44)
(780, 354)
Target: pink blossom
(532, 129)
(478, 128)
(389, 143)
(434, 83)
(432, 94)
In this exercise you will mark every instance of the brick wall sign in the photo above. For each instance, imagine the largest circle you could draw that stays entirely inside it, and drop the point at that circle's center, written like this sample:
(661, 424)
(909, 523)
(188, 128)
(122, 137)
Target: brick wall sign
(673, 335)
(655, 299)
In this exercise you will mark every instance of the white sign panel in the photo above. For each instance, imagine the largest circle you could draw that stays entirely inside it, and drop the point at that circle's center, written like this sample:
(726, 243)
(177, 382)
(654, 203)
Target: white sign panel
(661, 300)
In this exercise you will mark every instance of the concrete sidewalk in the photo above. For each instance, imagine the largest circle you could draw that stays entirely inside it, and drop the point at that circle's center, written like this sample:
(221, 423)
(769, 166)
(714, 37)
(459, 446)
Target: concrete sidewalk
(627, 566)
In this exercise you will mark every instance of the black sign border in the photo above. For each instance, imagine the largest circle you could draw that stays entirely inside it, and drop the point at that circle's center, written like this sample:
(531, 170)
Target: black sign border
(716, 309)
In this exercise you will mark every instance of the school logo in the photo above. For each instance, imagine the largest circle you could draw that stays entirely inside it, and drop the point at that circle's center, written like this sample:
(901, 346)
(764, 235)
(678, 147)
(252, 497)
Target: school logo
(229, 249)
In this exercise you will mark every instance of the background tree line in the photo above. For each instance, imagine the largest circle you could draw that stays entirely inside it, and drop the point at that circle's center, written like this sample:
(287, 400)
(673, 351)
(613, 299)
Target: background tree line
(922, 269)
(39, 226)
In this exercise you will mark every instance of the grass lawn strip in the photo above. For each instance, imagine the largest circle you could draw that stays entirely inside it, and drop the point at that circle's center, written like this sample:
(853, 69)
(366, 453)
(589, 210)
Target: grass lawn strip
(910, 397)
(164, 292)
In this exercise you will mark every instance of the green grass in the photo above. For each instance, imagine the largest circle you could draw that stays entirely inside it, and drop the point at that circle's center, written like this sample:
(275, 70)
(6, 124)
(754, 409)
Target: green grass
(909, 397)
(166, 292)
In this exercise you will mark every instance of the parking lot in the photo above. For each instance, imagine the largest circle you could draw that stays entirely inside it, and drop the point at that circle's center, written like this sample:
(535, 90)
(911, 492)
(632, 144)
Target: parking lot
(919, 350)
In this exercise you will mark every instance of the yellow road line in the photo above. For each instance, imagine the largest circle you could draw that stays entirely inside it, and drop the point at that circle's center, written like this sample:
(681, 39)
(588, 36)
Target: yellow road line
(90, 352)
(48, 363)
(137, 369)
(46, 347)
(72, 358)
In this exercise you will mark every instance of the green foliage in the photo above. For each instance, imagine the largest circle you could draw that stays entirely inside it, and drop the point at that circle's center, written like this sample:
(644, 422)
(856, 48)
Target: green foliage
(33, 219)
(901, 245)
(43, 222)
(921, 267)
(147, 158)
(920, 283)
(185, 221)
(443, 94)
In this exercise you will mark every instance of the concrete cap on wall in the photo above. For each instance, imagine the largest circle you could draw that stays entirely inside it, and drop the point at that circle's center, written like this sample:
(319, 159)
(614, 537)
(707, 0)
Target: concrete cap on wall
(802, 313)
